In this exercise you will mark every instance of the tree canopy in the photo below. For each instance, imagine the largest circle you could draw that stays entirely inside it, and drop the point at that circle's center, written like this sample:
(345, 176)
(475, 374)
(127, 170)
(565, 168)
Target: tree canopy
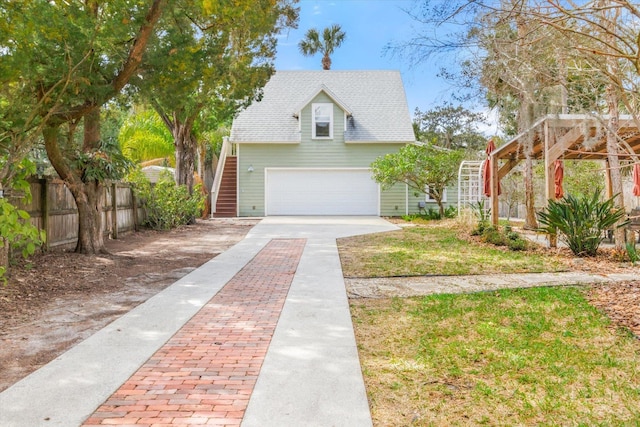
(215, 57)
(62, 62)
(452, 127)
(424, 168)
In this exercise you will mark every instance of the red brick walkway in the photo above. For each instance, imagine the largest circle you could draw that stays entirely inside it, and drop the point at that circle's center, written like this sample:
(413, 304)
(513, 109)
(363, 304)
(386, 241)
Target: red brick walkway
(204, 375)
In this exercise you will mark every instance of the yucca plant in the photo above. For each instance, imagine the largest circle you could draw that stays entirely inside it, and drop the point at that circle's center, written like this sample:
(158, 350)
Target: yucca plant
(580, 222)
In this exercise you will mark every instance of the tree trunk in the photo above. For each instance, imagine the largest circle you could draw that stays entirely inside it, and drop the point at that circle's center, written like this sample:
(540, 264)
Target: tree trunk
(89, 201)
(525, 120)
(207, 169)
(530, 222)
(185, 156)
(613, 124)
(87, 195)
(440, 207)
(613, 159)
(326, 62)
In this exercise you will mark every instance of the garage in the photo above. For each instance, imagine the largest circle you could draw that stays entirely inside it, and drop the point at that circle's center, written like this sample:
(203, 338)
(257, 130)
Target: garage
(320, 192)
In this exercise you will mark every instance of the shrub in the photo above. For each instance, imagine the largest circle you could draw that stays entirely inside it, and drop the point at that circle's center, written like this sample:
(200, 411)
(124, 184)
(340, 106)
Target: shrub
(168, 205)
(505, 237)
(494, 236)
(451, 212)
(515, 241)
(581, 222)
(15, 226)
(632, 253)
(432, 214)
(483, 216)
(17, 230)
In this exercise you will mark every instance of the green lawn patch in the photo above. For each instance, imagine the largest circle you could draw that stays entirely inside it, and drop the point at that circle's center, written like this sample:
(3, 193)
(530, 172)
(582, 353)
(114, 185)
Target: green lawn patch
(540, 356)
(435, 248)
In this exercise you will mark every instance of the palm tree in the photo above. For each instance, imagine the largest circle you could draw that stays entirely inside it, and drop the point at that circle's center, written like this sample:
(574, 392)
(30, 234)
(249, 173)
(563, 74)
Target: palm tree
(332, 38)
(144, 137)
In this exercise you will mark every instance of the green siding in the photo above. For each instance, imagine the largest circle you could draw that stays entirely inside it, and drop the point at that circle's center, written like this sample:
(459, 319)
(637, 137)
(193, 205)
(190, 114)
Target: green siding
(310, 153)
(452, 199)
(393, 202)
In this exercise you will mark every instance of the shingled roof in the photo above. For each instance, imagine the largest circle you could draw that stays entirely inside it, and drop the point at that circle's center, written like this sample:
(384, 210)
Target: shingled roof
(375, 99)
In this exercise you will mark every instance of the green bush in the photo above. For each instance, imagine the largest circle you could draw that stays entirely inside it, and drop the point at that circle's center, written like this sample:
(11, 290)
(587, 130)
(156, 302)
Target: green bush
(515, 241)
(581, 222)
(494, 236)
(15, 224)
(168, 205)
(483, 216)
(505, 237)
(632, 253)
(17, 230)
(432, 214)
(451, 212)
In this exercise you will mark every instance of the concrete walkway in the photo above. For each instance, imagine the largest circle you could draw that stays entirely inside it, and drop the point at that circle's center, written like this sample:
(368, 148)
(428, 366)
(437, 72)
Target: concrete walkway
(387, 287)
(179, 342)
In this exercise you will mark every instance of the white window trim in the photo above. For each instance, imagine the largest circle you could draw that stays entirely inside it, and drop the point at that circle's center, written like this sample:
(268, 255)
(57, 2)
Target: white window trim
(428, 198)
(313, 120)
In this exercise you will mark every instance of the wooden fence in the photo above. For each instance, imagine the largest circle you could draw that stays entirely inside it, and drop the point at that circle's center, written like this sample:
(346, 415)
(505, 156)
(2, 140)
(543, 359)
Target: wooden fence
(53, 209)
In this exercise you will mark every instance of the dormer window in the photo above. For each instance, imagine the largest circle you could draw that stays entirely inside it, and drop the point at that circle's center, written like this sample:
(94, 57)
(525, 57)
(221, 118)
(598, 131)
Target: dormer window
(322, 118)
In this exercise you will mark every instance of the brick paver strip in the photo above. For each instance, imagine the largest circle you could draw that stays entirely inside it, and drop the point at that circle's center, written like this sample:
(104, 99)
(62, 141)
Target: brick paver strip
(206, 372)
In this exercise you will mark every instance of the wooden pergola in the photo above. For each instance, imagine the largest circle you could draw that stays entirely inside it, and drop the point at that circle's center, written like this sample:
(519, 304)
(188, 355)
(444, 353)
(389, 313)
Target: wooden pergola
(561, 137)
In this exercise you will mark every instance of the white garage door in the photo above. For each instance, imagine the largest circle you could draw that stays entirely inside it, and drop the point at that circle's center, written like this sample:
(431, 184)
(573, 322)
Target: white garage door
(320, 192)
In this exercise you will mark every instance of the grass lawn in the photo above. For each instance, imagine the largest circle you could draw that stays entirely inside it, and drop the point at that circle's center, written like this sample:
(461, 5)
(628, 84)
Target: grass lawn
(539, 356)
(434, 248)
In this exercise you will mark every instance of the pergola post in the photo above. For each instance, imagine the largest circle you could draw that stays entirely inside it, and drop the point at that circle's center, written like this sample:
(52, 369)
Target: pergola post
(549, 175)
(495, 180)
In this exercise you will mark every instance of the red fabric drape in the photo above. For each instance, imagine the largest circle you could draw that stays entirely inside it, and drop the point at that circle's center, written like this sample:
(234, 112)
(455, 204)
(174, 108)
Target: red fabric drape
(636, 179)
(486, 173)
(558, 176)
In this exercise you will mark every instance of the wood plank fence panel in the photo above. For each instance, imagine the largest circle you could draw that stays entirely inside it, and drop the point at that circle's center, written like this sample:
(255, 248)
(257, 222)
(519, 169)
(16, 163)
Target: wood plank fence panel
(54, 210)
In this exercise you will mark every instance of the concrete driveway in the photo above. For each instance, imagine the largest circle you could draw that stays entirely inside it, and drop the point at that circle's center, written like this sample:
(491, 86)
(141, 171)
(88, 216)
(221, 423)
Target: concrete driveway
(319, 227)
(310, 375)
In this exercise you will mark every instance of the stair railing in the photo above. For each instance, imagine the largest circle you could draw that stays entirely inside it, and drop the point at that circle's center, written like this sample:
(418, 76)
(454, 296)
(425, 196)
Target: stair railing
(217, 179)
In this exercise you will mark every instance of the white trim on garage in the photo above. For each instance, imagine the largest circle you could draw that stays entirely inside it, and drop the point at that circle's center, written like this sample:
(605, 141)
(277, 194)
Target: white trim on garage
(320, 191)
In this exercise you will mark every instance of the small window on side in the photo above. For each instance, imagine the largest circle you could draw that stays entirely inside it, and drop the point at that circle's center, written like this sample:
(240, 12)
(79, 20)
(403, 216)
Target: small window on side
(431, 200)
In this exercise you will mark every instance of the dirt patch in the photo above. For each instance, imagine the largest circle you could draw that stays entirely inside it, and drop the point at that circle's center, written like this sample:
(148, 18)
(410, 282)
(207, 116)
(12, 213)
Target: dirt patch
(621, 303)
(59, 298)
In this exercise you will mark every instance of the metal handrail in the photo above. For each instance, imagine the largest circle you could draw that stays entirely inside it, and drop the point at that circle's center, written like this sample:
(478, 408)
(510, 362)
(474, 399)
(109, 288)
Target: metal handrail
(217, 179)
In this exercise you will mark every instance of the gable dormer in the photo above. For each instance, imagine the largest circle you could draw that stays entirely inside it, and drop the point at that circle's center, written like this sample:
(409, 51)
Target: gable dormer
(322, 105)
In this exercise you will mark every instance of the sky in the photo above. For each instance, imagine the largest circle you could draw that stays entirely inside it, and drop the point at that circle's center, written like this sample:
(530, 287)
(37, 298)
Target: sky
(370, 26)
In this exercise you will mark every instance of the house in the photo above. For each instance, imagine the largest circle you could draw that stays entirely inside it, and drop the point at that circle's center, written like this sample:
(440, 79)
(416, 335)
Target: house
(305, 148)
(154, 172)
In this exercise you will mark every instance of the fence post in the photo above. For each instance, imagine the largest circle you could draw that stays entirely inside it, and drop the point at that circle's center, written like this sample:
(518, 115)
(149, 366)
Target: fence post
(44, 209)
(114, 210)
(134, 202)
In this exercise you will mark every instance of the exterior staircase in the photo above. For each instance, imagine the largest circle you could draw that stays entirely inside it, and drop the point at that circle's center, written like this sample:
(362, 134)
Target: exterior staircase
(226, 205)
